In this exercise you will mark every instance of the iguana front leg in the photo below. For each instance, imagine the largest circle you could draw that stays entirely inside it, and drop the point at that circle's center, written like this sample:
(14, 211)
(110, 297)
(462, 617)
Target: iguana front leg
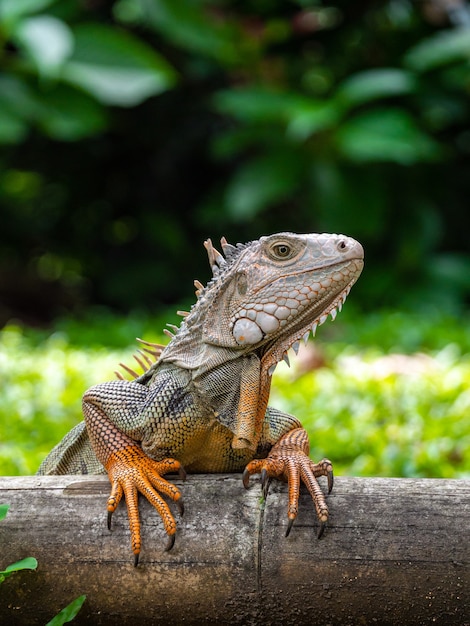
(111, 412)
(289, 460)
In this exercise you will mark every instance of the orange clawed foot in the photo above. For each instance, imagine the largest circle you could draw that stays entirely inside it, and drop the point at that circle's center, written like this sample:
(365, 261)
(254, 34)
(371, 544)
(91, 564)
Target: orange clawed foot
(289, 461)
(131, 471)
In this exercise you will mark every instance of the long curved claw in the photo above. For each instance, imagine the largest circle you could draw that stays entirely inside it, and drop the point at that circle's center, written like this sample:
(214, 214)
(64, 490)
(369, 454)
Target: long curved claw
(254, 467)
(131, 471)
(246, 478)
(289, 461)
(180, 504)
(290, 523)
(170, 543)
(321, 529)
(330, 479)
(265, 482)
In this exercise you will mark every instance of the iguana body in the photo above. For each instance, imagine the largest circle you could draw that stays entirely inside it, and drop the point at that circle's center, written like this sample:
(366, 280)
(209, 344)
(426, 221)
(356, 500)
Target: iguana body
(204, 403)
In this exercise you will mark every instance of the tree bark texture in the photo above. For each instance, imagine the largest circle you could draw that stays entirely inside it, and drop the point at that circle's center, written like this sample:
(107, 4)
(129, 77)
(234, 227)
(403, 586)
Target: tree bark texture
(395, 552)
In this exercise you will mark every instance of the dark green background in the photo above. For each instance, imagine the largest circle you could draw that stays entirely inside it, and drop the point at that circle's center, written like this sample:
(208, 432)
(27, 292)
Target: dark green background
(132, 130)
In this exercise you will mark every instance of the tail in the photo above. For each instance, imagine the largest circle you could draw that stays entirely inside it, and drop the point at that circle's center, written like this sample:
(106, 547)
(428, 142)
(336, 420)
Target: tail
(73, 455)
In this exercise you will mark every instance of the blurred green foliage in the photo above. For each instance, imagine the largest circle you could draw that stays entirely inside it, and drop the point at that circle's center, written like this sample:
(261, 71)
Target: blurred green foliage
(132, 130)
(41, 394)
(376, 406)
(386, 415)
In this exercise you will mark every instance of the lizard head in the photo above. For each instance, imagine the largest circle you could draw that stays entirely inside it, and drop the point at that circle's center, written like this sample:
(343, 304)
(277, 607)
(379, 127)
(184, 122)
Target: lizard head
(265, 296)
(278, 289)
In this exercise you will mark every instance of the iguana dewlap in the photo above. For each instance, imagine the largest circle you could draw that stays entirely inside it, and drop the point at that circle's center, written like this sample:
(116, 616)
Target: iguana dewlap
(203, 405)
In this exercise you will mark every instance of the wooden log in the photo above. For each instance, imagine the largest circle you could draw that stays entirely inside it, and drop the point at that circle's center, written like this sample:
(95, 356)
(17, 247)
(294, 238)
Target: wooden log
(395, 552)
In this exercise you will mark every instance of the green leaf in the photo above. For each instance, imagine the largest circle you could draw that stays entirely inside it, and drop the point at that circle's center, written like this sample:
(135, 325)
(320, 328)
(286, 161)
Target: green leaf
(13, 128)
(12, 10)
(440, 49)
(17, 96)
(385, 135)
(261, 182)
(303, 116)
(68, 114)
(115, 67)
(27, 563)
(63, 112)
(375, 84)
(47, 41)
(190, 27)
(4, 510)
(68, 613)
(311, 117)
(18, 108)
(254, 105)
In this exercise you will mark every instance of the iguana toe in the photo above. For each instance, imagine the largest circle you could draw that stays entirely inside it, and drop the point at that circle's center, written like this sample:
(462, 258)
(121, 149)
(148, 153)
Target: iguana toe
(131, 471)
(289, 461)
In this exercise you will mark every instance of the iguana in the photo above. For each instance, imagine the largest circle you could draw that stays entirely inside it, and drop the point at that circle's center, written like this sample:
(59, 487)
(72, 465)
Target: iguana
(203, 404)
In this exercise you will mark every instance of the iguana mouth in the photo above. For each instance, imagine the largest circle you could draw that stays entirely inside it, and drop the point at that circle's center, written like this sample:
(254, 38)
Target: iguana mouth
(277, 302)
(274, 351)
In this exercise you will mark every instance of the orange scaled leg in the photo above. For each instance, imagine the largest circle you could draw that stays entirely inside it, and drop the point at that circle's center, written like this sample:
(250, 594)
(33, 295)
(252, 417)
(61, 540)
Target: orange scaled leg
(131, 471)
(289, 461)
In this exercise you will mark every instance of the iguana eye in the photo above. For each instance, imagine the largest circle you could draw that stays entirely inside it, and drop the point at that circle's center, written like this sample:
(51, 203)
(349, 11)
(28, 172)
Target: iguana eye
(282, 250)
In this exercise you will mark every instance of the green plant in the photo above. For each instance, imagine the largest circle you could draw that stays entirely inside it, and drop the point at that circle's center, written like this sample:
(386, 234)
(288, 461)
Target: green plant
(391, 396)
(276, 116)
(379, 414)
(68, 613)
(30, 563)
(60, 73)
(26, 563)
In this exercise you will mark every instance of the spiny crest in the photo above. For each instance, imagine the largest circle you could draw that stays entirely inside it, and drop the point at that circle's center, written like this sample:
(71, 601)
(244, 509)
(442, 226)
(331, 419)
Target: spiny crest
(144, 361)
(218, 263)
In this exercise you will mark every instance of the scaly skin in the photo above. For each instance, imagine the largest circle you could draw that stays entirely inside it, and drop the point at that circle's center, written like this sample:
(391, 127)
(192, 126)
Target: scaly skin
(203, 404)
(289, 461)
